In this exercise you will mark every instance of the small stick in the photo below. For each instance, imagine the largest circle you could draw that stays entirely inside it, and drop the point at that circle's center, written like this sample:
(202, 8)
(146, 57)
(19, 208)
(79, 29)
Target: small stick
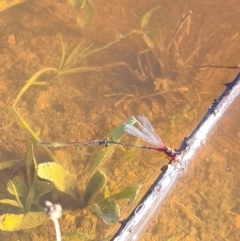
(237, 66)
(179, 26)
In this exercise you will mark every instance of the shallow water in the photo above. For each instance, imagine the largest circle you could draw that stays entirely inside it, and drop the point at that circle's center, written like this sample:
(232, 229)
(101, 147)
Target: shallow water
(87, 105)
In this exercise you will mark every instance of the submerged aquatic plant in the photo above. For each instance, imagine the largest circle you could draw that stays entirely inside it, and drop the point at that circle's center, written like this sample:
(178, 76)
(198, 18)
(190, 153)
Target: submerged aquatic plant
(85, 11)
(67, 66)
(5, 4)
(26, 195)
(164, 48)
(44, 177)
(9, 163)
(106, 208)
(146, 18)
(161, 62)
(68, 62)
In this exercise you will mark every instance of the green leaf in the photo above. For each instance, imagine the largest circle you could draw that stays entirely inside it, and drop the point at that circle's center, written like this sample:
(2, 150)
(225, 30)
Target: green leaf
(43, 187)
(7, 164)
(96, 50)
(31, 82)
(13, 190)
(12, 222)
(33, 134)
(90, 10)
(77, 4)
(106, 192)
(71, 58)
(107, 153)
(118, 132)
(29, 164)
(108, 210)
(97, 181)
(28, 84)
(18, 185)
(63, 54)
(8, 4)
(128, 193)
(31, 196)
(147, 16)
(33, 188)
(25, 125)
(65, 70)
(102, 156)
(60, 178)
(10, 202)
(72, 2)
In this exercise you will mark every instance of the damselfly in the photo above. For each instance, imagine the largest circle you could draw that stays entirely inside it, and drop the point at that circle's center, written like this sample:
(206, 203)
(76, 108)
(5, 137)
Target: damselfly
(145, 132)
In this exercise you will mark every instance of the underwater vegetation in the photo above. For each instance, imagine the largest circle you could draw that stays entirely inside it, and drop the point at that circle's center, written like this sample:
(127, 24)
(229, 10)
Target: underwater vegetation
(5, 4)
(162, 65)
(26, 195)
(85, 11)
(66, 67)
(42, 178)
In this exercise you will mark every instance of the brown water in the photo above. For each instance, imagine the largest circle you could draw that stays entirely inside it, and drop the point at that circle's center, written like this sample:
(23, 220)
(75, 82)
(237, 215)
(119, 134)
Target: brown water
(84, 106)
